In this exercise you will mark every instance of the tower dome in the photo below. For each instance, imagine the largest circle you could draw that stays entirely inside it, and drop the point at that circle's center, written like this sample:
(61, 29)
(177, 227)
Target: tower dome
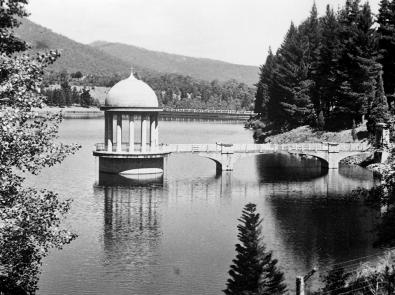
(131, 93)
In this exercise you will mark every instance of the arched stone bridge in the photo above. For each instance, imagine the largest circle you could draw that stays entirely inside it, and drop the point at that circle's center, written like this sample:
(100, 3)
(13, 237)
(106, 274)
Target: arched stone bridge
(226, 155)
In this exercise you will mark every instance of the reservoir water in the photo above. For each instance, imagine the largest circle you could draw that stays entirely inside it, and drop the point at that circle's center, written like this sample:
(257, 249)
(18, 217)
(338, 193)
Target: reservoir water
(177, 236)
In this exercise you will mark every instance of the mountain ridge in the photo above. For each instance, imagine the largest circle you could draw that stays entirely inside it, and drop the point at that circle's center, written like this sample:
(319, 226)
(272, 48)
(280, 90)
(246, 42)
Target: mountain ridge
(104, 58)
(197, 67)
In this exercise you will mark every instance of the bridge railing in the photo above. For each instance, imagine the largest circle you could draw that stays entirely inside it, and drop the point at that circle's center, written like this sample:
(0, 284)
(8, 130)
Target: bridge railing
(102, 147)
(209, 111)
(270, 147)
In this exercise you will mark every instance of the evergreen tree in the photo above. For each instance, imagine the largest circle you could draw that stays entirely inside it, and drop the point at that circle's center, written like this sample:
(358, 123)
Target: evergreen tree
(327, 64)
(290, 105)
(265, 81)
(358, 68)
(86, 98)
(386, 43)
(254, 271)
(378, 112)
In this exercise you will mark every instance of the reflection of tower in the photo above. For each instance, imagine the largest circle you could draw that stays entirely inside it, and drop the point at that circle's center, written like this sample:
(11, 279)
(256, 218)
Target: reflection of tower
(131, 225)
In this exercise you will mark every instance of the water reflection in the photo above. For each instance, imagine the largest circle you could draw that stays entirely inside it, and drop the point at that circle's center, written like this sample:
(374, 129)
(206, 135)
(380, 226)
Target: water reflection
(131, 229)
(116, 180)
(172, 229)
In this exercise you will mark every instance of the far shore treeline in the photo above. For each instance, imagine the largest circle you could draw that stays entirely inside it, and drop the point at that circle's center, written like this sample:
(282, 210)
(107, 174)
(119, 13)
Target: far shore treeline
(173, 90)
(330, 71)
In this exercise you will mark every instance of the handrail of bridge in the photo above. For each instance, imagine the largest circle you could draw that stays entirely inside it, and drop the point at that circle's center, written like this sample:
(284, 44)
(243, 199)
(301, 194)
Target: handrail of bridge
(241, 148)
(102, 147)
(208, 111)
(256, 148)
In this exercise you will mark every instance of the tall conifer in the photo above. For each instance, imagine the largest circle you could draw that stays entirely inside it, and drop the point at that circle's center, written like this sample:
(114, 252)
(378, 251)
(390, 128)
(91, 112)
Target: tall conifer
(290, 94)
(254, 272)
(358, 68)
(265, 81)
(386, 43)
(326, 67)
(378, 112)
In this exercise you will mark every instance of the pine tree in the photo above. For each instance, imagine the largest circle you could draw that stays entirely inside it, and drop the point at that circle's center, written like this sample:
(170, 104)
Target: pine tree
(378, 112)
(290, 105)
(358, 68)
(386, 43)
(265, 81)
(254, 271)
(326, 67)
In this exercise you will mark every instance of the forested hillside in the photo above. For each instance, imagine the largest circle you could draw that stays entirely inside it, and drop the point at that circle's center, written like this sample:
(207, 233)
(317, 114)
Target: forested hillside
(74, 56)
(84, 65)
(108, 59)
(199, 68)
(173, 90)
(329, 70)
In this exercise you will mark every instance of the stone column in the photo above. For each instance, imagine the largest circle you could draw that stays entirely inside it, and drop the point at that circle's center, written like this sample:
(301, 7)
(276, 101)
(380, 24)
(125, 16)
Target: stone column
(143, 133)
(152, 132)
(105, 128)
(109, 132)
(156, 134)
(119, 133)
(131, 133)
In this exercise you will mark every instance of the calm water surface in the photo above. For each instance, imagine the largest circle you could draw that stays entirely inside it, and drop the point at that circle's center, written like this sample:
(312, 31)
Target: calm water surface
(177, 236)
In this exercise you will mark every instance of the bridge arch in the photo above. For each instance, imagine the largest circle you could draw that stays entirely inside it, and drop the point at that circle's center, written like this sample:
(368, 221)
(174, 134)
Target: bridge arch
(226, 162)
(226, 155)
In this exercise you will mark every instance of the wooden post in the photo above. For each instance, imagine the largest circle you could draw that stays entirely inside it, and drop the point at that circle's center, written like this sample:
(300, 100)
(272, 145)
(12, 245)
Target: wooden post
(300, 285)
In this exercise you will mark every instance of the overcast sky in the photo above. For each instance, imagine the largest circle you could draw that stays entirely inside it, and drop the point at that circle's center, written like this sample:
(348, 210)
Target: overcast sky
(237, 31)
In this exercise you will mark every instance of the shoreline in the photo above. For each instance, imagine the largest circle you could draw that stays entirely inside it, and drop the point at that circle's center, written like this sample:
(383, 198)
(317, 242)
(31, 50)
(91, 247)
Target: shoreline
(77, 112)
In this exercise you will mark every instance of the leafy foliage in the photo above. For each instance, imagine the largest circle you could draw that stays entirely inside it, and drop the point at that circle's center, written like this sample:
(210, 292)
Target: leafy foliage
(254, 271)
(30, 220)
(367, 279)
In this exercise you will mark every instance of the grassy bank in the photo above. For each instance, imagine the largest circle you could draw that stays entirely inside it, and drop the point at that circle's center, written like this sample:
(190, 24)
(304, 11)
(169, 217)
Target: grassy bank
(308, 134)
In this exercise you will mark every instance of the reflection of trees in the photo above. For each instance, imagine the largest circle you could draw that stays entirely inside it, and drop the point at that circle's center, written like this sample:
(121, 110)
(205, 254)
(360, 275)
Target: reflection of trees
(288, 175)
(316, 230)
(131, 225)
(278, 167)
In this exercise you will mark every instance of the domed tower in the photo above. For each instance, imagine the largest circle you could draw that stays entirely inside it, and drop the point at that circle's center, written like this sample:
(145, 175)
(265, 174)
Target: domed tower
(130, 130)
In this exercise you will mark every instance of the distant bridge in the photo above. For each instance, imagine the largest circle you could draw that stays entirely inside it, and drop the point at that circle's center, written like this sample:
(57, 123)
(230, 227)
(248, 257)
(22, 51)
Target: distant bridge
(226, 155)
(206, 114)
